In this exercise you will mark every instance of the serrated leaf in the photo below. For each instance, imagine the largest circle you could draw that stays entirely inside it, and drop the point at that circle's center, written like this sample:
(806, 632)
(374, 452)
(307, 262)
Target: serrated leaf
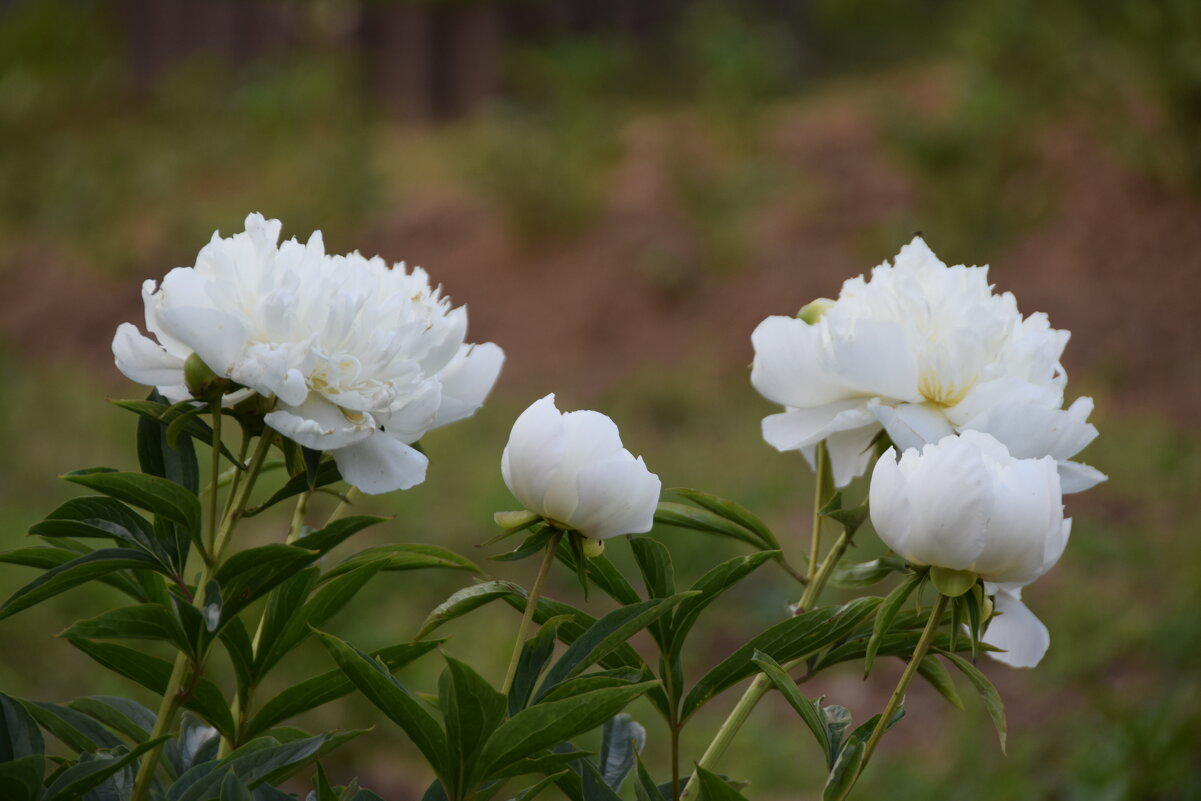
(988, 693)
(810, 711)
(90, 566)
(154, 674)
(404, 556)
(401, 706)
(884, 616)
(684, 516)
(606, 635)
(790, 639)
(544, 725)
(465, 600)
(152, 493)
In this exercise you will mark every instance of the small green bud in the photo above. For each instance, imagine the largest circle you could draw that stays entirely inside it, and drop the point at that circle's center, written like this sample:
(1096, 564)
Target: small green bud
(592, 547)
(952, 583)
(202, 382)
(812, 312)
(986, 609)
(514, 520)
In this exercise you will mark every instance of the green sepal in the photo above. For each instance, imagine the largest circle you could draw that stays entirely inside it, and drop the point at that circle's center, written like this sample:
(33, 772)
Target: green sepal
(952, 583)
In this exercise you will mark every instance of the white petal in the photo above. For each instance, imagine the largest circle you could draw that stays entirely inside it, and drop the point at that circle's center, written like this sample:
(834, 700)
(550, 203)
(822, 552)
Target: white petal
(1027, 511)
(1023, 636)
(911, 425)
(1031, 432)
(415, 417)
(950, 490)
(143, 360)
(381, 463)
(889, 508)
(616, 497)
(790, 364)
(467, 380)
(850, 452)
(319, 424)
(217, 338)
(1077, 477)
(795, 429)
(588, 438)
(873, 359)
(534, 452)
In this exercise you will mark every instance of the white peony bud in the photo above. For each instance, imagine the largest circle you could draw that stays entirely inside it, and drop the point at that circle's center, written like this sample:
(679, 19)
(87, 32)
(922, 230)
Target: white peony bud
(965, 504)
(572, 470)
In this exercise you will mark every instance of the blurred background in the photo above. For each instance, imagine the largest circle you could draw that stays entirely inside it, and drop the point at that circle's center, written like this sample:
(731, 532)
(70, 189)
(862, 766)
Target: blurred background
(620, 190)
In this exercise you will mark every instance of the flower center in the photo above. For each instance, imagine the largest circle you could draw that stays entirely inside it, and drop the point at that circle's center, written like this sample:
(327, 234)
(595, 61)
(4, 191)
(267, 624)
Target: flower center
(941, 390)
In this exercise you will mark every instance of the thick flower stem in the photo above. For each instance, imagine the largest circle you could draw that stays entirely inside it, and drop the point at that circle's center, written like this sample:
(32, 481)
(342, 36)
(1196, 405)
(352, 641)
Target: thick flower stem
(173, 696)
(822, 481)
(213, 501)
(919, 653)
(531, 604)
(814, 587)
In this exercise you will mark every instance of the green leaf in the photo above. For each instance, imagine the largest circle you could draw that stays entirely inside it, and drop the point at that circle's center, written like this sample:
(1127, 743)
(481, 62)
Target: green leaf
(790, 639)
(93, 565)
(708, 587)
(606, 635)
(327, 687)
(465, 600)
(593, 786)
(734, 512)
(545, 725)
(75, 729)
(401, 706)
(264, 759)
(152, 493)
(851, 519)
(884, 616)
(327, 473)
(600, 570)
(120, 714)
(810, 711)
(21, 779)
(845, 771)
(534, 543)
(337, 532)
(684, 516)
(165, 413)
(233, 790)
(533, 790)
(241, 652)
(94, 769)
(645, 788)
(714, 788)
(535, 654)
(865, 574)
(933, 672)
(618, 677)
(97, 516)
(621, 740)
(988, 693)
(154, 674)
(838, 721)
(404, 556)
(141, 622)
(19, 735)
(658, 575)
(161, 454)
(298, 625)
(283, 603)
(248, 575)
(472, 710)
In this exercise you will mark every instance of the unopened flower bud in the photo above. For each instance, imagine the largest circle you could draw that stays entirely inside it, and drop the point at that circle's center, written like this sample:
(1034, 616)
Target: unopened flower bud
(592, 547)
(815, 310)
(201, 381)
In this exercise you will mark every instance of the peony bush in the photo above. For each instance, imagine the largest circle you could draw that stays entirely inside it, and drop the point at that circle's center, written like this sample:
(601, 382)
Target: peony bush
(280, 374)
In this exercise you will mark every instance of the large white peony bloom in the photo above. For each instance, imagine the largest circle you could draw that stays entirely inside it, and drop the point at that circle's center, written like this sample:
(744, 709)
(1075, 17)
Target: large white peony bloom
(572, 469)
(361, 358)
(966, 503)
(922, 350)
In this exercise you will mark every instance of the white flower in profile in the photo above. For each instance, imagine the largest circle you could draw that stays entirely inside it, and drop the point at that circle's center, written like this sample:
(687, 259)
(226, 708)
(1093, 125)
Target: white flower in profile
(965, 503)
(360, 358)
(922, 350)
(571, 469)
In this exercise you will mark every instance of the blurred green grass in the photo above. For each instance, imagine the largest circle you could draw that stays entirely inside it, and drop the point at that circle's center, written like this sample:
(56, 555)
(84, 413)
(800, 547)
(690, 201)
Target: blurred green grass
(98, 175)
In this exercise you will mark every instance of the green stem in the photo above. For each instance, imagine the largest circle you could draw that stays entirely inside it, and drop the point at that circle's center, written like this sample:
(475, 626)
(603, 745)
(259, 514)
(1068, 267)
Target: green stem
(919, 653)
(531, 604)
(216, 467)
(343, 507)
(814, 588)
(175, 693)
(302, 507)
(821, 481)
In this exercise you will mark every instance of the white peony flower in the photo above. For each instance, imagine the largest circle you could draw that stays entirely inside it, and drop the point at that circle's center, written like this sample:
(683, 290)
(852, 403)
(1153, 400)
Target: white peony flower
(965, 503)
(922, 350)
(361, 358)
(572, 469)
